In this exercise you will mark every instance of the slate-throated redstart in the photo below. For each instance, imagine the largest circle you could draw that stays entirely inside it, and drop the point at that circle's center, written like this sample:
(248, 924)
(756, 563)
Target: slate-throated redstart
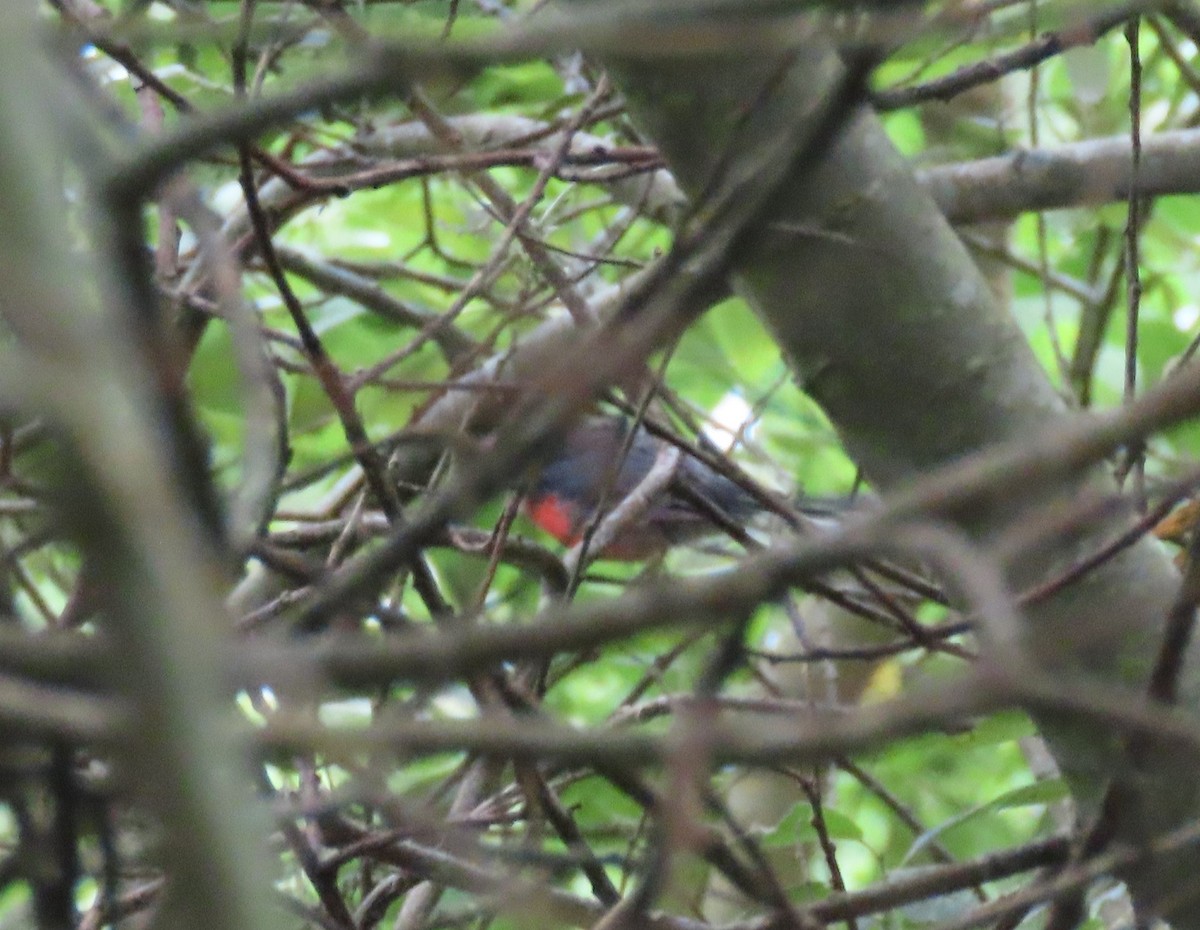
(564, 496)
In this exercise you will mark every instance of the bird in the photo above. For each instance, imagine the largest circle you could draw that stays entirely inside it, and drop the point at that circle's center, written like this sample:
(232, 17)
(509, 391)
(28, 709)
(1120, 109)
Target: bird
(588, 471)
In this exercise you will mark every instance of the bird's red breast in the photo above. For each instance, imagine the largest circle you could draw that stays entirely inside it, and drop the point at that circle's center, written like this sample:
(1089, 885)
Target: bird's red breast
(554, 516)
(597, 462)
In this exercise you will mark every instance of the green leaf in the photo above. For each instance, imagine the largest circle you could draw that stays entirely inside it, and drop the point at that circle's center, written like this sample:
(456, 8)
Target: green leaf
(839, 826)
(807, 892)
(1047, 792)
(1004, 727)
